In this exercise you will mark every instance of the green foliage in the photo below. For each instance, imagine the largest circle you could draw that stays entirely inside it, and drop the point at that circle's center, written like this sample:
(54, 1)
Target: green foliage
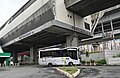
(101, 61)
(87, 54)
(70, 70)
(83, 61)
(115, 56)
(92, 61)
(93, 52)
(26, 59)
(82, 52)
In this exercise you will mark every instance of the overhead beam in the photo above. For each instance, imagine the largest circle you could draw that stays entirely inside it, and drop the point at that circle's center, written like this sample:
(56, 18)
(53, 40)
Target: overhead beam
(87, 7)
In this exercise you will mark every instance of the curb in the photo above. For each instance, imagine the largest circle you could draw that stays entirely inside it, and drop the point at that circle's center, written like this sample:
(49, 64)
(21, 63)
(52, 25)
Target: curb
(67, 74)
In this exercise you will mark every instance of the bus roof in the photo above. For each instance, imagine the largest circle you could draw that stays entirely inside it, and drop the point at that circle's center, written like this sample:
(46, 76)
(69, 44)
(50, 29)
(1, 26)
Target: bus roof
(54, 49)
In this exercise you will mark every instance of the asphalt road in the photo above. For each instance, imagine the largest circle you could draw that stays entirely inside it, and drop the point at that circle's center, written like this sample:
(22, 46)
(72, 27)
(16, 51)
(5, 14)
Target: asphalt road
(48, 72)
(30, 72)
(99, 72)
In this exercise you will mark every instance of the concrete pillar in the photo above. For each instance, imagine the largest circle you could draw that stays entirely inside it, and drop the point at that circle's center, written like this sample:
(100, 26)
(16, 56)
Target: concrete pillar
(63, 45)
(104, 45)
(22, 58)
(7, 61)
(72, 41)
(15, 57)
(33, 54)
(96, 47)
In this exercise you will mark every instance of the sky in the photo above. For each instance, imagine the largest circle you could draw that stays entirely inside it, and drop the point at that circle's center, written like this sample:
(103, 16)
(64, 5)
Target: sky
(9, 8)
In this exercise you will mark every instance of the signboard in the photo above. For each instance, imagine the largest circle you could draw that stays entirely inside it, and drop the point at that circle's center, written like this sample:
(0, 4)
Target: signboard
(5, 54)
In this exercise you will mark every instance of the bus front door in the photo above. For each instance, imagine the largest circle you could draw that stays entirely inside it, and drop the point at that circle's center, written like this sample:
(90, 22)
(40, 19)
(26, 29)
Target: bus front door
(44, 61)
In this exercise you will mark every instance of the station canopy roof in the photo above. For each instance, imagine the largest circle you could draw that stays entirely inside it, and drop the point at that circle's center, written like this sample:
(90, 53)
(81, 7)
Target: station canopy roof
(24, 53)
(2, 54)
(5, 54)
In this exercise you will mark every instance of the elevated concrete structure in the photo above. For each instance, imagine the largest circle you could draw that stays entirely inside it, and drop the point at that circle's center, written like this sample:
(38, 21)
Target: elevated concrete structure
(110, 18)
(43, 23)
(87, 7)
(46, 37)
(113, 16)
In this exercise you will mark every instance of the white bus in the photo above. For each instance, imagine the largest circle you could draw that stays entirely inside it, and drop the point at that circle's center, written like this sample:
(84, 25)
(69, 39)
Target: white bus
(58, 56)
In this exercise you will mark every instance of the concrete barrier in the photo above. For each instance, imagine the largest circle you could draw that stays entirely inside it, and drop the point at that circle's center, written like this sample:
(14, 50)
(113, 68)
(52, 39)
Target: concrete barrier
(110, 59)
(94, 56)
(69, 75)
(114, 61)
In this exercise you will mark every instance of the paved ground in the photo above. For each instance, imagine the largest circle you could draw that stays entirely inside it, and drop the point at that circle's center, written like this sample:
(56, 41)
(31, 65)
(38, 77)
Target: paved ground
(47, 72)
(99, 72)
(30, 72)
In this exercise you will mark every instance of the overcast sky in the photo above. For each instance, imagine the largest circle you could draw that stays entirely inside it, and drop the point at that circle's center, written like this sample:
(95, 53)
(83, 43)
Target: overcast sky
(8, 8)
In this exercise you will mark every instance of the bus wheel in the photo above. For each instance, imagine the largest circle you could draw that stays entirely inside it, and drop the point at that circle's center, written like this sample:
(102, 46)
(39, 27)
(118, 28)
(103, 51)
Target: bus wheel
(50, 64)
(70, 63)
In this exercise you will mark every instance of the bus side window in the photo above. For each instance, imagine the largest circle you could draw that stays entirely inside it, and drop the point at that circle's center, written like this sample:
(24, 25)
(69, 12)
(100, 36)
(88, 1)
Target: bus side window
(70, 54)
(59, 53)
(43, 54)
(52, 54)
(74, 55)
